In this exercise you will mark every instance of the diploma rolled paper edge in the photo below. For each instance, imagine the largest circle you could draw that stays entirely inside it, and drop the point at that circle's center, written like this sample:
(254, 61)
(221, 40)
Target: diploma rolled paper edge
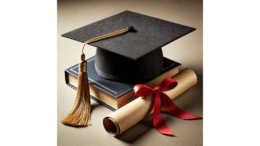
(135, 111)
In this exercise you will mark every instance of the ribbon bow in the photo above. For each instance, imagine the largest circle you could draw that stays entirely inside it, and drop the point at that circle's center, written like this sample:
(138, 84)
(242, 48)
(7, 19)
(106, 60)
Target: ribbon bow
(170, 107)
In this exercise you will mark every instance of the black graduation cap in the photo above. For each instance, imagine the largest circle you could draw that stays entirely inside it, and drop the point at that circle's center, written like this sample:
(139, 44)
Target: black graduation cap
(134, 55)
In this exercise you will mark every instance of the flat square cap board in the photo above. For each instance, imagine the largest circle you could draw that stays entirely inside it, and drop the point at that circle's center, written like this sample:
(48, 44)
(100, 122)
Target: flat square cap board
(149, 35)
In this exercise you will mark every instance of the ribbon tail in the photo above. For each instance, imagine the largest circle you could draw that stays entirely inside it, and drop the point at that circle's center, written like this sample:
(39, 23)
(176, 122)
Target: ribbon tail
(158, 121)
(172, 109)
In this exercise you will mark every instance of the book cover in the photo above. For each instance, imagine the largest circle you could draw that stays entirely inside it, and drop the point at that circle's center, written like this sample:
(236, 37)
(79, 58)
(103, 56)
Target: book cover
(113, 88)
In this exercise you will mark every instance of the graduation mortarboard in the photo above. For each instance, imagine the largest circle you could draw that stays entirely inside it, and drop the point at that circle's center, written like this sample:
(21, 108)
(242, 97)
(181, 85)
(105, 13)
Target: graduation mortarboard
(133, 55)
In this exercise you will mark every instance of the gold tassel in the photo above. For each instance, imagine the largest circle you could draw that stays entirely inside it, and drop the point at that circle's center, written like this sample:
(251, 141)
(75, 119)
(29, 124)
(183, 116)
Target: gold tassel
(80, 113)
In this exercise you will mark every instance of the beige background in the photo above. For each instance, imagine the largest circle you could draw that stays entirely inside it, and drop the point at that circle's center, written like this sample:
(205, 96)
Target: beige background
(186, 50)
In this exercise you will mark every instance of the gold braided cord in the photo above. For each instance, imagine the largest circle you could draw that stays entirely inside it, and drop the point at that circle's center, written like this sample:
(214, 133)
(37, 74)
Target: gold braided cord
(104, 36)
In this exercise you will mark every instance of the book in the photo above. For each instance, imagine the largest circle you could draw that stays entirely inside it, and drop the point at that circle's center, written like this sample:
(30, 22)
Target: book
(111, 94)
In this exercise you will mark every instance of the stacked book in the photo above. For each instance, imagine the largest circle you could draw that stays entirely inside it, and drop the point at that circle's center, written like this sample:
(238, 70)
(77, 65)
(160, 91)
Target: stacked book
(112, 94)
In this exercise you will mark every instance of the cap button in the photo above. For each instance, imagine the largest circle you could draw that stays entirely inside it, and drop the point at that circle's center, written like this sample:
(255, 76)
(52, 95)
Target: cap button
(130, 28)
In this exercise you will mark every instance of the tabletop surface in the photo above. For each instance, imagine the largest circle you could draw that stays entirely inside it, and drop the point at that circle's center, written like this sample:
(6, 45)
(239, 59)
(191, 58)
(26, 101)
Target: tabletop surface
(187, 50)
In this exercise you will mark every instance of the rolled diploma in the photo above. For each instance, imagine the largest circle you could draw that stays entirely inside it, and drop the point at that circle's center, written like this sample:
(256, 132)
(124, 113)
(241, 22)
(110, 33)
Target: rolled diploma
(132, 113)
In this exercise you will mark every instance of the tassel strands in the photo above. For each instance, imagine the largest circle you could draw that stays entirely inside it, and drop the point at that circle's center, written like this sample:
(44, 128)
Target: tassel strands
(80, 114)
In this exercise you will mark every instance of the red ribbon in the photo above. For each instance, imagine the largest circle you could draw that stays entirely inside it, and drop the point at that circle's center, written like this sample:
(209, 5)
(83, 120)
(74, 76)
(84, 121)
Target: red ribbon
(170, 107)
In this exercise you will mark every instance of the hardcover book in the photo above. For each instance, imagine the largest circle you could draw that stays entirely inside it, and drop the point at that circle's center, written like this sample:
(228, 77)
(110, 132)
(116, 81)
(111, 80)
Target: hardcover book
(113, 94)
